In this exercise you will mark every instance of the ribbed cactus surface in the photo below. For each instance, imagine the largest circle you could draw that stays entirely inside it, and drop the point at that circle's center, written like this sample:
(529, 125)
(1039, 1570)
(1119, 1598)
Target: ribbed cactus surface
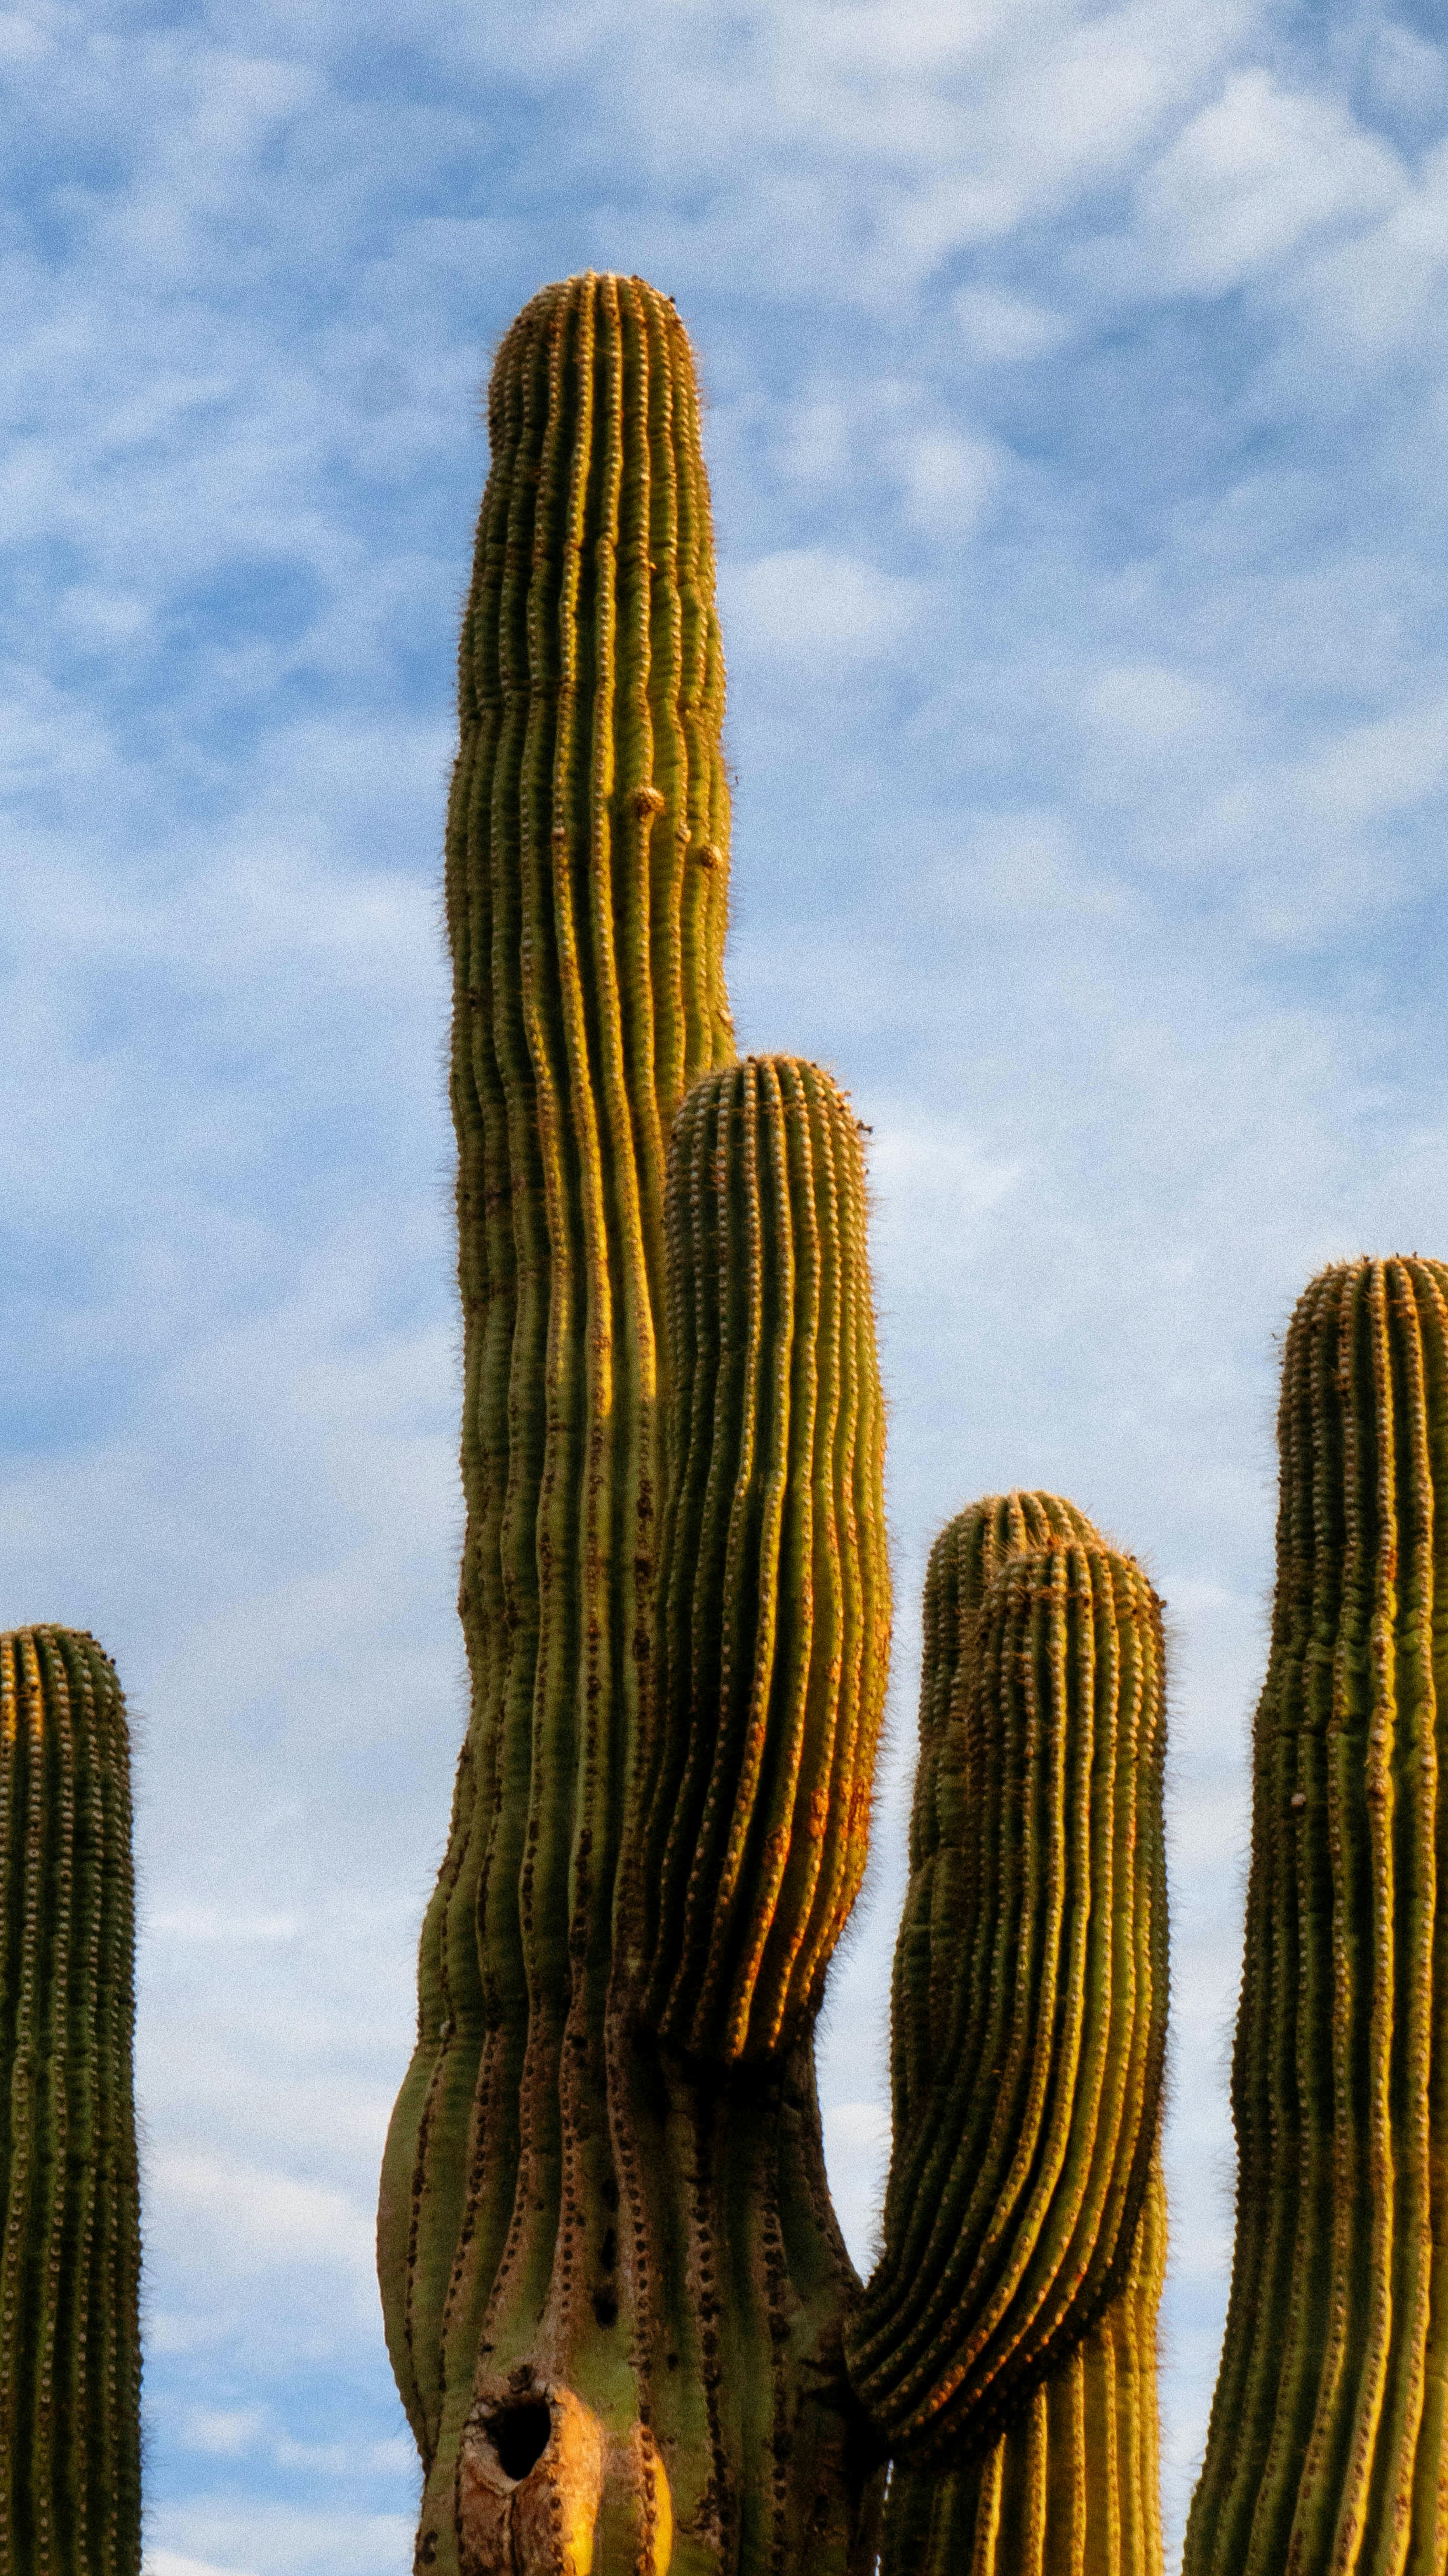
(1030, 2016)
(964, 1562)
(1329, 2430)
(621, 2242)
(1073, 2488)
(774, 1591)
(70, 2370)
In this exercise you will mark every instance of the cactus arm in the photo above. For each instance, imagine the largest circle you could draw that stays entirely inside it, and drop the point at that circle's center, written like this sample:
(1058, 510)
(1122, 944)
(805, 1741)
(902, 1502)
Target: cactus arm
(1327, 2428)
(1015, 2205)
(70, 2248)
(1072, 2487)
(773, 1584)
(963, 1563)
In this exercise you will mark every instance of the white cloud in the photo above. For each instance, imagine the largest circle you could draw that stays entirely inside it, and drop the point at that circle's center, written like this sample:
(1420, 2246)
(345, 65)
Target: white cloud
(212, 1923)
(166, 2562)
(1254, 176)
(223, 2432)
(816, 607)
(999, 328)
(251, 2219)
(278, 2541)
(949, 480)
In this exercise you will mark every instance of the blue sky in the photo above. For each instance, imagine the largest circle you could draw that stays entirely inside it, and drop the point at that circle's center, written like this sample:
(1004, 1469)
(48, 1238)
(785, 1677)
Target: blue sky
(1078, 389)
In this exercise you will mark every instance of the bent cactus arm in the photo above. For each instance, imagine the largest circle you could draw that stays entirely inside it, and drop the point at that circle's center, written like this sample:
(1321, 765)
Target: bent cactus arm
(1005, 2346)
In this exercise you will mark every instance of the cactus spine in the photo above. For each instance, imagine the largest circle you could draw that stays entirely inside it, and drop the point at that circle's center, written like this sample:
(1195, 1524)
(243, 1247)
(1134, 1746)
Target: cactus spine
(70, 2366)
(1328, 2434)
(589, 2239)
(1028, 2034)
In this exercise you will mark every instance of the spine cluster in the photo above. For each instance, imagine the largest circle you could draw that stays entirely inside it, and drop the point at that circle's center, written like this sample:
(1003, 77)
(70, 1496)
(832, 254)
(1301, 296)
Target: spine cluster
(1328, 2432)
(70, 2367)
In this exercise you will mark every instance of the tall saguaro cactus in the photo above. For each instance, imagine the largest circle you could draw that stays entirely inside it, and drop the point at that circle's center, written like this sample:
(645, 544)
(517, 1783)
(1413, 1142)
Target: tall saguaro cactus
(620, 2312)
(607, 2256)
(70, 2366)
(1329, 2428)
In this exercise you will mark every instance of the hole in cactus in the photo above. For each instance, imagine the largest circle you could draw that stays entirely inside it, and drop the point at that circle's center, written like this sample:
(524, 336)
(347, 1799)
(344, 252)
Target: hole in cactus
(519, 2434)
(605, 2307)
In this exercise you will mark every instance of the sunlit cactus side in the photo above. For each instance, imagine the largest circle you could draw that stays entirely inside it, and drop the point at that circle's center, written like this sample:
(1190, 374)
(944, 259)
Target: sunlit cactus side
(774, 1591)
(1329, 2429)
(1028, 2039)
(613, 2286)
(70, 2360)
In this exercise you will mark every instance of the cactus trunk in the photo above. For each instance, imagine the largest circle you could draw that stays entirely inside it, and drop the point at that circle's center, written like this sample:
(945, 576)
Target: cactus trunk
(1328, 2434)
(612, 2283)
(70, 2363)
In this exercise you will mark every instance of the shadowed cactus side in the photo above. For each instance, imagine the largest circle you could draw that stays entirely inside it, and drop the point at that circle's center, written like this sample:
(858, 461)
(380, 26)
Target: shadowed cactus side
(1328, 2437)
(1005, 2346)
(70, 2360)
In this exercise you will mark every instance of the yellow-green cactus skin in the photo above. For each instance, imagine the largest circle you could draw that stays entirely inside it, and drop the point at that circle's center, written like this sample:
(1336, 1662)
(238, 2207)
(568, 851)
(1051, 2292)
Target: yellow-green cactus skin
(70, 2253)
(614, 2288)
(1006, 2344)
(1327, 2443)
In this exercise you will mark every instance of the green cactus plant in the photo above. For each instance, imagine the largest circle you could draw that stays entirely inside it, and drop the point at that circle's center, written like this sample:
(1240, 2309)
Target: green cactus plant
(1028, 2036)
(617, 2301)
(604, 2228)
(1327, 2437)
(70, 2363)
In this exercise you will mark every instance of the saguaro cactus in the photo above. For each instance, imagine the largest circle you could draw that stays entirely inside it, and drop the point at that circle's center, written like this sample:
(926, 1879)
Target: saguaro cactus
(1328, 2432)
(617, 2301)
(70, 2366)
(607, 2255)
(1006, 2345)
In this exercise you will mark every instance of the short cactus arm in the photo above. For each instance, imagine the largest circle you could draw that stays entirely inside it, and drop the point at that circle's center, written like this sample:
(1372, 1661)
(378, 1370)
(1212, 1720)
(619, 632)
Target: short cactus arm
(1012, 2208)
(70, 2364)
(774, 1590)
